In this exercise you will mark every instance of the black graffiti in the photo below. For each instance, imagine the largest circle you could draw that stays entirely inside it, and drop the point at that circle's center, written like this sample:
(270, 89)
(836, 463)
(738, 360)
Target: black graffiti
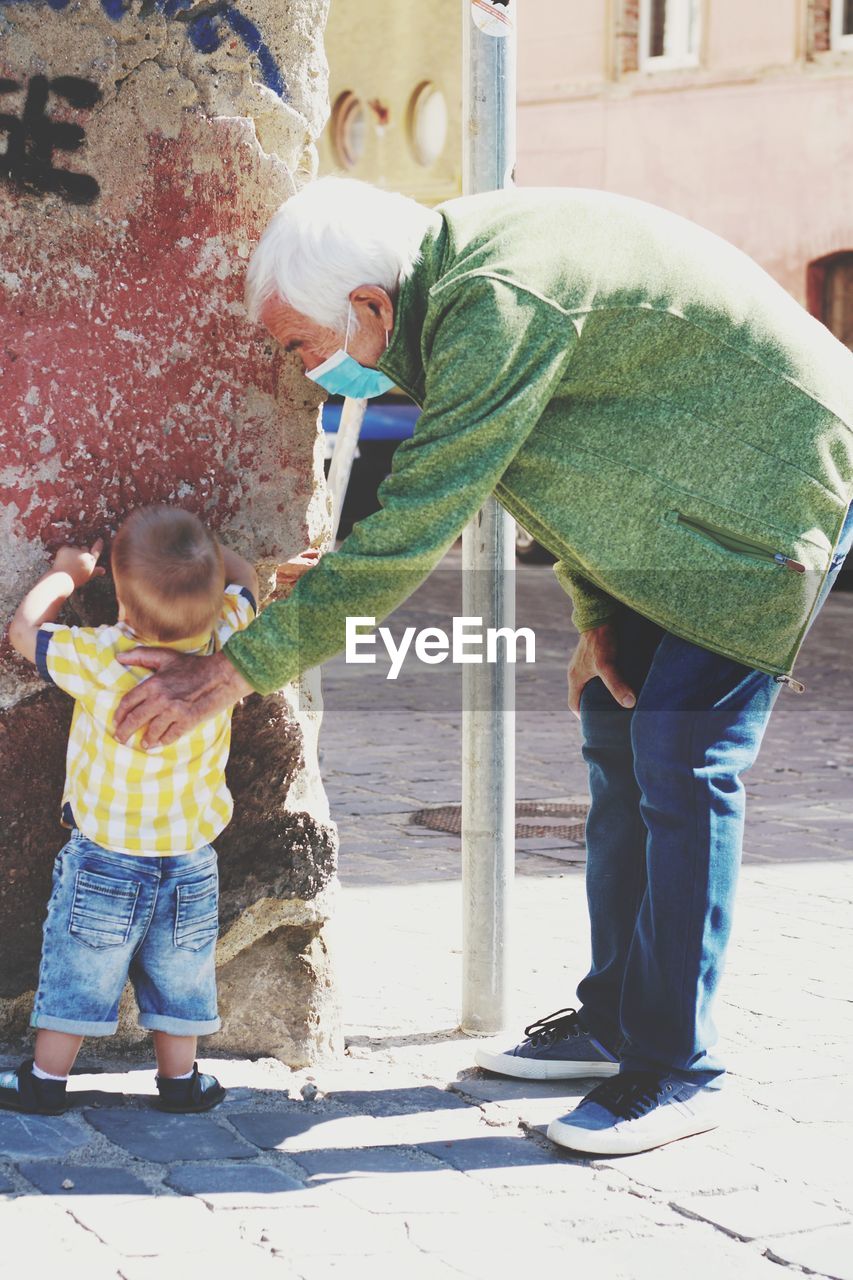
(33, 137)
(505, 3)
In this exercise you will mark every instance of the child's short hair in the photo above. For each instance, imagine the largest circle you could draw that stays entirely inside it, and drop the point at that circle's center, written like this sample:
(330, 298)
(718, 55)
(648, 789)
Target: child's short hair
(169, 573)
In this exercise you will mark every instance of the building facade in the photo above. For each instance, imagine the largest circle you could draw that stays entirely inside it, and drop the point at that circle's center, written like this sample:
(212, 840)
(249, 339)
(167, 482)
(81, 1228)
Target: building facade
(395, 87)
(737, 115)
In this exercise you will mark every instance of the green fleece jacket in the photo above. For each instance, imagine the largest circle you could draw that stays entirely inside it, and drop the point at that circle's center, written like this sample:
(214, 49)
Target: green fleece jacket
(649, 404)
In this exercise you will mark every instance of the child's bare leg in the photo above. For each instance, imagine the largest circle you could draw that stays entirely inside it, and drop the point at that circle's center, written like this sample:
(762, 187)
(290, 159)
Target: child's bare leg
(175, 1054)
(56, 1051)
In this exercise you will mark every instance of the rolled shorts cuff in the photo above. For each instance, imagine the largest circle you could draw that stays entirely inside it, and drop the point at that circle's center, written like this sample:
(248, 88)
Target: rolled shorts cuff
(72, 1027)
(178, 1026)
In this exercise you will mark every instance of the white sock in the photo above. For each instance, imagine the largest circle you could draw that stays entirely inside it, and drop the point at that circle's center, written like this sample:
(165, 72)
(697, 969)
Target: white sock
(44, 1075)
(188, 1076)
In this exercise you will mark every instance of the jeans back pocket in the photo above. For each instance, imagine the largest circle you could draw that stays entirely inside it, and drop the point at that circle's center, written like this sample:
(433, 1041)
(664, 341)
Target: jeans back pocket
(102, 910)
(197, 915)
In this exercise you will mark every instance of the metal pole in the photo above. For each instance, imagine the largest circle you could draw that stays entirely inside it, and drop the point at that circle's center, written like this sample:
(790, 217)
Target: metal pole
(346, 443)
(488, 568)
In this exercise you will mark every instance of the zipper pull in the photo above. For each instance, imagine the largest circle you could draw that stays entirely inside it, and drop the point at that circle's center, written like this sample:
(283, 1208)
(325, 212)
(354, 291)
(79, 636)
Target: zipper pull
(790, 683)
(789, 563)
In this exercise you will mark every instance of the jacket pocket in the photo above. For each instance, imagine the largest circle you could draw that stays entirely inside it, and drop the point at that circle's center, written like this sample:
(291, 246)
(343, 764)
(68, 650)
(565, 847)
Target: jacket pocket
(737, 544)
(197, 915)
(102, 910)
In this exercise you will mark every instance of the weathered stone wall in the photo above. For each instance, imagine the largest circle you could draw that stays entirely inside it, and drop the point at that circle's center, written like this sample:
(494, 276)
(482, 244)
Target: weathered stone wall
(146, 144)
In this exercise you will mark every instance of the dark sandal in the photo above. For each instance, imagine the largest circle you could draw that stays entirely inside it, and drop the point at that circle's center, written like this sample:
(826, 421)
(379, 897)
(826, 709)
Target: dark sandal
(33, 1096)
(199, 1093)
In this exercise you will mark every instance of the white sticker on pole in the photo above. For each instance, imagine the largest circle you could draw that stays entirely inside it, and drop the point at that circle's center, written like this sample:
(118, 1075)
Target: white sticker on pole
(495, 17)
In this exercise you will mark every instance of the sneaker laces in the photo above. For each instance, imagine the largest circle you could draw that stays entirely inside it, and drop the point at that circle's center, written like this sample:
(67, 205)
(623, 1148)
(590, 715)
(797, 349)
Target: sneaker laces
(556, 1026)
(630, 1095)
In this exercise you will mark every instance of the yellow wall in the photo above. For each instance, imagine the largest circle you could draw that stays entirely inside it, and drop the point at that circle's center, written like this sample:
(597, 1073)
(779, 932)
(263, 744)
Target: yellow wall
(381, 51)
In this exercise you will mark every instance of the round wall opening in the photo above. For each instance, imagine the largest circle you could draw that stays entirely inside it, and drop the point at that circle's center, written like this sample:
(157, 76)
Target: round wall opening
(428, 123)
(349, 129)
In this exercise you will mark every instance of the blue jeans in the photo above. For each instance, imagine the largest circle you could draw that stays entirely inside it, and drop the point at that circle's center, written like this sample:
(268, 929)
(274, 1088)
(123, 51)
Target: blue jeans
(116, 915)
(664, 839)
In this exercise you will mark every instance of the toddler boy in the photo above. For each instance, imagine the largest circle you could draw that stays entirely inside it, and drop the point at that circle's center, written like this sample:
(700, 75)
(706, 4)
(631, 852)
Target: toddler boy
(135, 889)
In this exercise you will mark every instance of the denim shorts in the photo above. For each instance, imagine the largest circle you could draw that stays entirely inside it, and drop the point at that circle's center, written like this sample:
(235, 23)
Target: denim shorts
(113, 916)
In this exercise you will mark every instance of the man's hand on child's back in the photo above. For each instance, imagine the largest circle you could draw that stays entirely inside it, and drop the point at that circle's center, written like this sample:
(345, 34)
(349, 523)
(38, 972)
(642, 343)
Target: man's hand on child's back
(80, 563)
(186, 690)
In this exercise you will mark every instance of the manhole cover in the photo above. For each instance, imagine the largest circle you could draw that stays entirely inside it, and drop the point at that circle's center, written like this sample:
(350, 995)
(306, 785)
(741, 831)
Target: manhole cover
(558, 821)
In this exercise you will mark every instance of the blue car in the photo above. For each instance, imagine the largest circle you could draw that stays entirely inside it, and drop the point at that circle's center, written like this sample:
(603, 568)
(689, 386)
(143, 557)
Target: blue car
(388, 420)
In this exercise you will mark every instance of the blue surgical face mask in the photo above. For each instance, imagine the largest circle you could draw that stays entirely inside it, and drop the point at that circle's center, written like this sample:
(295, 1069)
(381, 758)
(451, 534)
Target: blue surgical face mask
(340, 375)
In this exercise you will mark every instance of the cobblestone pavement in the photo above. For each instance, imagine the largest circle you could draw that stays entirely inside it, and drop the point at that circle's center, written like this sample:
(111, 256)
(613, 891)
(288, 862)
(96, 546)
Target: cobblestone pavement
(401, 1160)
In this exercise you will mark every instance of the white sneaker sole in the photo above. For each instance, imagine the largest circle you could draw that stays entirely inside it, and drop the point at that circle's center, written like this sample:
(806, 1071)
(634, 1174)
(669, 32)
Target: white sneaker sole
(598, 1143)
(506, 1064)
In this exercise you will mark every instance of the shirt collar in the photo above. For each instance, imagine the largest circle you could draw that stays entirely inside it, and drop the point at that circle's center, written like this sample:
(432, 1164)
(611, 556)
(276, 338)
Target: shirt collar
(202, 643)
(402, 359)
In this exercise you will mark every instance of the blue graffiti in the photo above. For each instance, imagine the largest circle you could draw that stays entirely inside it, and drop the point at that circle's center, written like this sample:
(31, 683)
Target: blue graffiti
(207, 31)
(251, 37)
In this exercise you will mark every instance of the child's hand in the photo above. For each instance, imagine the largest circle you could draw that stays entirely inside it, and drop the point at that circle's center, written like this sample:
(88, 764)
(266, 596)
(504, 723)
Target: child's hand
(43, 602)
(81, 565)
(286, 575)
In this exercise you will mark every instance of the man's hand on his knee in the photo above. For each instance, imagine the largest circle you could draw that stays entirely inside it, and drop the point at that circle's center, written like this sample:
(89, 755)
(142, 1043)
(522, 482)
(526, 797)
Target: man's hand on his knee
(594, 657)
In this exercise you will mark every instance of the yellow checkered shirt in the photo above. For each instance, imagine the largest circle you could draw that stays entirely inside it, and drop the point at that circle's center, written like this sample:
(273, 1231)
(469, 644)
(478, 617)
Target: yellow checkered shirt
(168, 800)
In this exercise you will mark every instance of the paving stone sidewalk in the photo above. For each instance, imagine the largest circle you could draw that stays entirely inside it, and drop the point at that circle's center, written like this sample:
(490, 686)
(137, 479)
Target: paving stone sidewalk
(403, 1161)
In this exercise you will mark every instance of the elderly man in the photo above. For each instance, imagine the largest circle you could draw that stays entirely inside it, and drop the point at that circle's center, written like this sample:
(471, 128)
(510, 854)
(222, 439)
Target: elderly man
(677, 430)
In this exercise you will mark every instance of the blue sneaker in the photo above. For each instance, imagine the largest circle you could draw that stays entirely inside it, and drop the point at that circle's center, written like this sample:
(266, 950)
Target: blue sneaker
(558, 1047)
(637, 1111)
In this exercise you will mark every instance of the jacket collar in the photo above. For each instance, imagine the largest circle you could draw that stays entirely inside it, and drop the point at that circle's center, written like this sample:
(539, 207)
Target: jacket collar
(402, 358)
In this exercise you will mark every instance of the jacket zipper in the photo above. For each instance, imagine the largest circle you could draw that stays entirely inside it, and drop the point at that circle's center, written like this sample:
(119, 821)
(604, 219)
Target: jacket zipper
(748, 548)
(742, 546)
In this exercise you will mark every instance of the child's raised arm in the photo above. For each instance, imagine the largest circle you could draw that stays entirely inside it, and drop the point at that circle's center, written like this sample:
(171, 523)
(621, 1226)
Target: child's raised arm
(72, 567)
(239, 571)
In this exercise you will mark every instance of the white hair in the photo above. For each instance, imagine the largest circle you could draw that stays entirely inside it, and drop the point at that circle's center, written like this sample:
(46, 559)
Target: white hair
(333, 236)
